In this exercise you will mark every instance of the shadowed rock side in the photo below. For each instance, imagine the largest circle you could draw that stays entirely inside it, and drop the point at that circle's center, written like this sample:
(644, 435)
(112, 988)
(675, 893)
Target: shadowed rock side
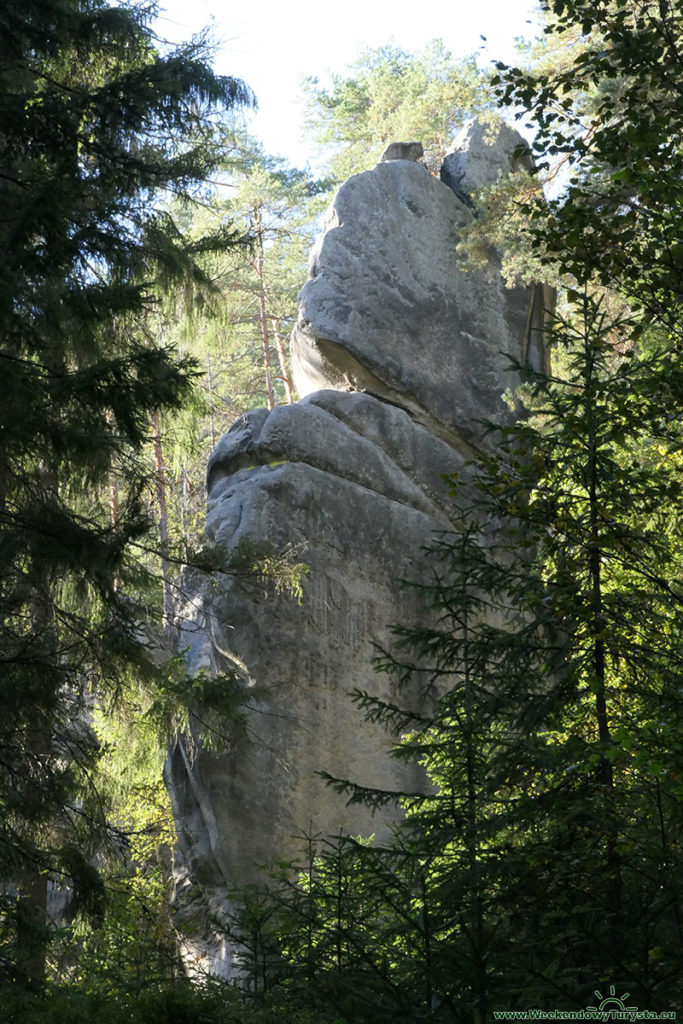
(400, 349)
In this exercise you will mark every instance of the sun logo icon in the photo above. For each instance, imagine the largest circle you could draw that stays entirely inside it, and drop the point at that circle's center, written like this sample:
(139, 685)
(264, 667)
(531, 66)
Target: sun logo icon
(611, 1002)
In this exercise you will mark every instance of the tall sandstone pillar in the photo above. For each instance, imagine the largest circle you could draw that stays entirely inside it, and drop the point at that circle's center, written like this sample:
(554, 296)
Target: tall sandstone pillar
(399, 353)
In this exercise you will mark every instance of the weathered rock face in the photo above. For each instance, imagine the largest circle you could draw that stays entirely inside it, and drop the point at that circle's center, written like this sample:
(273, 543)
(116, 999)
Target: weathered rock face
(477, 161)
(391, 310)
(397, 350)
(403, 151)
(355, 486)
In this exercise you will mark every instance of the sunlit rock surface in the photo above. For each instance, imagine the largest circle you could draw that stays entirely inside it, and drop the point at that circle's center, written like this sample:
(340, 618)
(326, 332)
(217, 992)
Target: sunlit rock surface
(400, 353)
(391, 309)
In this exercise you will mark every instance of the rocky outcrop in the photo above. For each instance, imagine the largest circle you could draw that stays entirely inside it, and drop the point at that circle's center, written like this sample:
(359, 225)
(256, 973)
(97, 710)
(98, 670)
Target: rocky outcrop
(391, 309)
(480, 156)
(355, 486)
(403, 151)
(400, 353)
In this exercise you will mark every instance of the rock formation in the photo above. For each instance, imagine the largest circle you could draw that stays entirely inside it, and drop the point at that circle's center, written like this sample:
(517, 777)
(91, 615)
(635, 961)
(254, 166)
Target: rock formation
(472, 164)
(399, 352)
(403, 151)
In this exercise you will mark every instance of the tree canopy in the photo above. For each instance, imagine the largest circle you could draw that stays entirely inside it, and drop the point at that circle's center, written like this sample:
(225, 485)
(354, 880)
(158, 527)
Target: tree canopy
(614, 115)
(389, 95)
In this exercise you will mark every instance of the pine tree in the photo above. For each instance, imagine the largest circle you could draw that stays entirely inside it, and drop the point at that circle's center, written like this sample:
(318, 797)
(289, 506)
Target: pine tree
(236, 335)
(389, 95)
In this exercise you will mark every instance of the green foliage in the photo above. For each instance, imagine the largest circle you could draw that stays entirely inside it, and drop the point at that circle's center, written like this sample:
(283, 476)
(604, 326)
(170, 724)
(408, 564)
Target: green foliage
(613, 113)
(239, 337)
(98, 127)
(213, 1002)
(390, 95)
(131, 945)
(236, 336)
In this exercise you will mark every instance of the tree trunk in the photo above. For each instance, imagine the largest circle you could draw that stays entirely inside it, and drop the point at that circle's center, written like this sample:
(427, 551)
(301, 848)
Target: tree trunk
(163, 523)
(32, 931)
(209, 381)
(282, 359)
(605, 769)
(263, 313)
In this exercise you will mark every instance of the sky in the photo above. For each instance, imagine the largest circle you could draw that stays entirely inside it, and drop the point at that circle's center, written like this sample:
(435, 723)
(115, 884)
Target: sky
(273, 45)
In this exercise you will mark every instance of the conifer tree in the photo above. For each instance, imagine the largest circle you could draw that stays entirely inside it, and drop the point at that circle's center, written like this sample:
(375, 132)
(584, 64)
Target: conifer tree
(236, 334)
(389, 95)
(545, 859)
(97, 128)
